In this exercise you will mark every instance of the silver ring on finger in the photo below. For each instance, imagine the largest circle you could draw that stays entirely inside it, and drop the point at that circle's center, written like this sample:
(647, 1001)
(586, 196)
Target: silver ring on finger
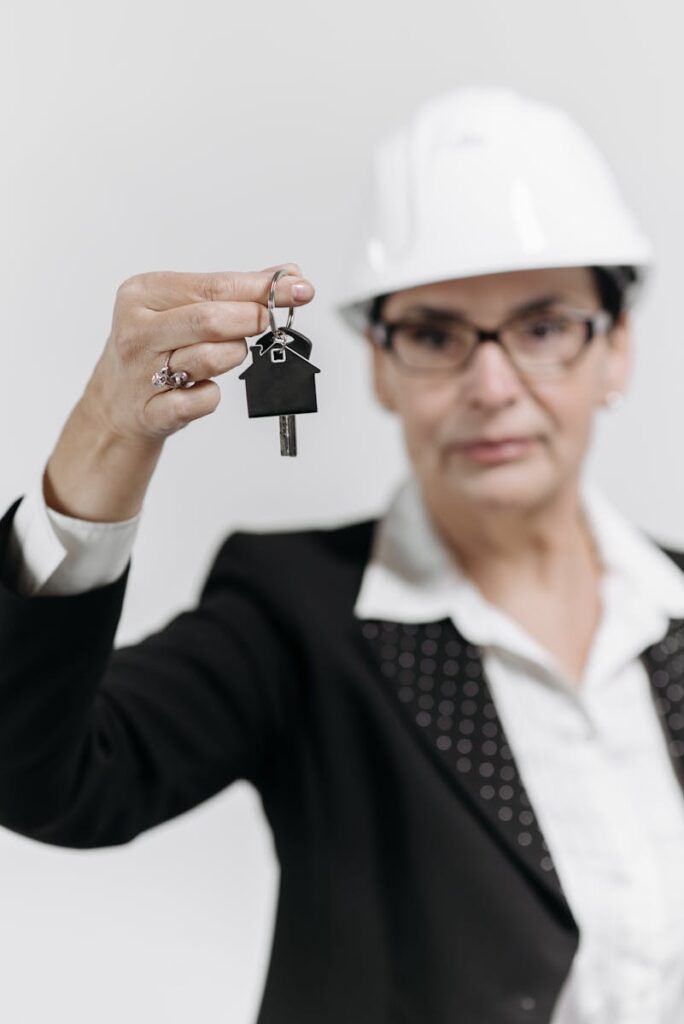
(165, 377)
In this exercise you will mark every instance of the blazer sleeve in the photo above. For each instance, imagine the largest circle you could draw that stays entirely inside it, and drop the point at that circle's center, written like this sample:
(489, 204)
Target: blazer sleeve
(99, 744)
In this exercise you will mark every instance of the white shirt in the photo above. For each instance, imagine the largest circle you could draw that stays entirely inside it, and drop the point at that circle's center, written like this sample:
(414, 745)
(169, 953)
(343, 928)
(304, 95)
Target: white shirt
(593, 757)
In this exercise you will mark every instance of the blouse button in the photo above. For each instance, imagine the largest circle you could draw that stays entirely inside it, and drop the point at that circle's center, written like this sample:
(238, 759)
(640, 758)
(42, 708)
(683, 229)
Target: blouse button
(528, 1003)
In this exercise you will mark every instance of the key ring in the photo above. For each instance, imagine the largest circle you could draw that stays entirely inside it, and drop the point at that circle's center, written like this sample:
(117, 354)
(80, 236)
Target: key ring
(271, 306)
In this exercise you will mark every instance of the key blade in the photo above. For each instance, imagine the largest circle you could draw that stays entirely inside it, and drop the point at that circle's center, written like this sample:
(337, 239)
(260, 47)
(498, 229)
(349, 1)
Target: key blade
(288, 435)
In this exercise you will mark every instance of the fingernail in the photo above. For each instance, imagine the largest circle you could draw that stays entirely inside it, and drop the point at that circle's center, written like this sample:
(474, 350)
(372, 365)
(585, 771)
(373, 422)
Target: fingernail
(301, 292)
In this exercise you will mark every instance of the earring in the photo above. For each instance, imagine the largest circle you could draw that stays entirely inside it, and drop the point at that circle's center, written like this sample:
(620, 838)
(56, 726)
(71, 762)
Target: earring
(613, 400)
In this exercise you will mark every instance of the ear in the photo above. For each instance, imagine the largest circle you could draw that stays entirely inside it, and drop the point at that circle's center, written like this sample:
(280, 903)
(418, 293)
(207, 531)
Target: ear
(380, 372)
(617, 366)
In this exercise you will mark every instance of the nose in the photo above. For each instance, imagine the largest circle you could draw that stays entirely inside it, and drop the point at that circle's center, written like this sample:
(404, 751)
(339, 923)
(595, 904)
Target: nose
(489, 379)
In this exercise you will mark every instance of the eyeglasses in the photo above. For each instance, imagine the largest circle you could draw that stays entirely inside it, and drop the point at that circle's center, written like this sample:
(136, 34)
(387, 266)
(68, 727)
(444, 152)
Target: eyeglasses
(542, 343)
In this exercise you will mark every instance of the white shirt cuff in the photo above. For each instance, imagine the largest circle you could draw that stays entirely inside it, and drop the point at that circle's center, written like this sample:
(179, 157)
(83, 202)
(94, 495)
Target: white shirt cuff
(51, 553)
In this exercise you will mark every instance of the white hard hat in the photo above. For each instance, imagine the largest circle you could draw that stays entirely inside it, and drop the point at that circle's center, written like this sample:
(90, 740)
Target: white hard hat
(483, 180)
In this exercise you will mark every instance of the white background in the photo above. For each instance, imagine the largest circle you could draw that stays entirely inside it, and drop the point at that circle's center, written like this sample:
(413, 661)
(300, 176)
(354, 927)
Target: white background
(202, 136)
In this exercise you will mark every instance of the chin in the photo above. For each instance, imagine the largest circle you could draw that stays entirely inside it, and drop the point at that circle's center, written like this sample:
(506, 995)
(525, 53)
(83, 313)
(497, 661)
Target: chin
(504, 485)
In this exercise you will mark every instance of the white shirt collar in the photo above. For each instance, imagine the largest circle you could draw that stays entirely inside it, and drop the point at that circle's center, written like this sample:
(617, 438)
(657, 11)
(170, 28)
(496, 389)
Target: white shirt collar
(412, 577)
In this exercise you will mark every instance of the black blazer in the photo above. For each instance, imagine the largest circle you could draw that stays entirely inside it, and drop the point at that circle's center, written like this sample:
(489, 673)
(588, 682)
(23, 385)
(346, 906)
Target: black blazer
(406, 895)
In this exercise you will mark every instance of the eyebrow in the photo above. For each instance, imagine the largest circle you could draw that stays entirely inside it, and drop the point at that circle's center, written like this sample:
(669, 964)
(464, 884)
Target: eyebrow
(458, 315)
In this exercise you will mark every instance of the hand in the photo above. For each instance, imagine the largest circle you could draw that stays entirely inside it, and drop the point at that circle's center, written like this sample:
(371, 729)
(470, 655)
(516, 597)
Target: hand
(206, 318)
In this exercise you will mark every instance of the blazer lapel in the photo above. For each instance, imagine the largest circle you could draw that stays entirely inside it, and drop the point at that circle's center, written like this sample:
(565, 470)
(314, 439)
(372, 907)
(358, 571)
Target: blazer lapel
(437, 680)
(664, 662)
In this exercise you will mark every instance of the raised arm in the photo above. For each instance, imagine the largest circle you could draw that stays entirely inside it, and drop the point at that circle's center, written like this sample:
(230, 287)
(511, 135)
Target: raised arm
(99, 744)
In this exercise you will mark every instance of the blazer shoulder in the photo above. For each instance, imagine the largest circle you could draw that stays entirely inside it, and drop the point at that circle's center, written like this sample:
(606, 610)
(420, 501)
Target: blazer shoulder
(287, 562)
(345, 541)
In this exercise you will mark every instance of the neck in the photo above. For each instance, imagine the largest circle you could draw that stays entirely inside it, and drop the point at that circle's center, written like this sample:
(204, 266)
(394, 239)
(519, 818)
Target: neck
(546, 544)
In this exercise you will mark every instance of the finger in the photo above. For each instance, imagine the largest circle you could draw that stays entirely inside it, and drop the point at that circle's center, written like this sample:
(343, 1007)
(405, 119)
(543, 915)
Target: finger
(201, 321)
(159, 290)
(293, 268)
(171, 410)
(209, 358)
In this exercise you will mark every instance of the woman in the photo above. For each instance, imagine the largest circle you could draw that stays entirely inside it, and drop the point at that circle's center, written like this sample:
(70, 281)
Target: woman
(465, 717)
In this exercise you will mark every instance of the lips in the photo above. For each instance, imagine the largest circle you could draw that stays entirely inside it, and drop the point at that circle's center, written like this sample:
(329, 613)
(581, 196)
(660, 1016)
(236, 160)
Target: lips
(492, 440)
(490, 452)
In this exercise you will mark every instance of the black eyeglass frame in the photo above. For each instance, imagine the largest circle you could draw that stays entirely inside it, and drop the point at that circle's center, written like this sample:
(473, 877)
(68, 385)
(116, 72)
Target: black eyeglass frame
(382, 334)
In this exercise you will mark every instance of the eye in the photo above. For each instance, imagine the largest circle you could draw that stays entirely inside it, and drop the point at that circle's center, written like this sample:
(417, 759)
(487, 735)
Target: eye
(545, 326)
(432, 337)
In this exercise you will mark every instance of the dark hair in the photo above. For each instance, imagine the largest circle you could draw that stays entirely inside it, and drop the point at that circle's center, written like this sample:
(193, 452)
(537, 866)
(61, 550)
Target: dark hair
(612, 285)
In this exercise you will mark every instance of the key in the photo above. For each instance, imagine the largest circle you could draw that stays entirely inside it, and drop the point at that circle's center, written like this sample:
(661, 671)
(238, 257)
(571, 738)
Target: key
(281, 381)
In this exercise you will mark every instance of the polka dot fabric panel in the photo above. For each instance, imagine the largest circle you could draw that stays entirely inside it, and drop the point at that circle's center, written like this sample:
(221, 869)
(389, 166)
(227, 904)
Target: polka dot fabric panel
(664, 663)
(439, 683)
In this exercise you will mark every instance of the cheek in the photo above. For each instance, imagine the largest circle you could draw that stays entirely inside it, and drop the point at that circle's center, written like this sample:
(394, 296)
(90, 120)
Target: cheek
(569, 410)
(424, 408)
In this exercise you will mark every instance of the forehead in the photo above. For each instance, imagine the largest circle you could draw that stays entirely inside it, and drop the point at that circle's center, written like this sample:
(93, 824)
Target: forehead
(497, 294)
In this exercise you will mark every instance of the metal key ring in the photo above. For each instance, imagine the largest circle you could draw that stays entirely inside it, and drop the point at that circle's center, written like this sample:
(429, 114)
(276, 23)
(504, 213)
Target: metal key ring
(271, 306)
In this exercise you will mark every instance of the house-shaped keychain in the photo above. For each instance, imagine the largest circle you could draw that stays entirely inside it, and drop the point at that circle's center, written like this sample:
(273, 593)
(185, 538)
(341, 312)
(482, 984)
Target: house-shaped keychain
(280, 379)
